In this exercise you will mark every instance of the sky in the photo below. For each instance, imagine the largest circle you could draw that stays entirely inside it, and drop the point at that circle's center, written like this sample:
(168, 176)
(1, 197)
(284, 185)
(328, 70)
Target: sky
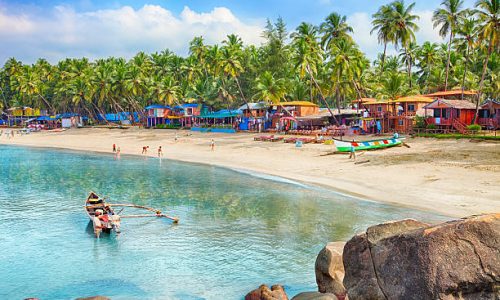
(56, 29)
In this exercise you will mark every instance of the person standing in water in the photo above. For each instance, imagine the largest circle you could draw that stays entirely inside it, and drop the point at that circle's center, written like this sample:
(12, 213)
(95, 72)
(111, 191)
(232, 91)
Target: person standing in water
(114, 148)
(212, 145)
(145, 149)
(160, 152)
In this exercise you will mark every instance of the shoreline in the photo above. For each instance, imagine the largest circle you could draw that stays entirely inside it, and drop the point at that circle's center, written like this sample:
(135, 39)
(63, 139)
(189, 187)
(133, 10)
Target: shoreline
(427, 187)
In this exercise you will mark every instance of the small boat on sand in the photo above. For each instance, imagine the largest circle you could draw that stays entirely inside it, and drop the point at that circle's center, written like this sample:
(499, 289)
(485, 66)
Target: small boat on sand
(345, 146)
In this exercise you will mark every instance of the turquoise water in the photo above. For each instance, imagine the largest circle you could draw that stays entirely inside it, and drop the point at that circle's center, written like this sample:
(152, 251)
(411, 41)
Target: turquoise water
(236, 231)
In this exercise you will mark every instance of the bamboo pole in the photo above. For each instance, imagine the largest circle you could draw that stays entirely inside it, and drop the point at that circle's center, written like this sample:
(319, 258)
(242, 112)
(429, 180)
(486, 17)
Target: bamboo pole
(176, 220)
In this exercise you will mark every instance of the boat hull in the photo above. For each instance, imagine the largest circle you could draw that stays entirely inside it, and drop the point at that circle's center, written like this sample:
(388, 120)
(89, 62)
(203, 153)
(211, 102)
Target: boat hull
(345, 146)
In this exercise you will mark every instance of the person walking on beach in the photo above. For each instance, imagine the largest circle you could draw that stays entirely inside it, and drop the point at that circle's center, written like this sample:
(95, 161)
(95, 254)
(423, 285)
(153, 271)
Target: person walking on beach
(212, 145)
(176, 137)
(114, 148)
(145, 149)
(352, 151)
(160, 152)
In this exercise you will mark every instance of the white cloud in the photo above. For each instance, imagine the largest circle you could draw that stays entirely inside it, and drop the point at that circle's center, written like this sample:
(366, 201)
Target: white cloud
(116, 32)
(361, 24)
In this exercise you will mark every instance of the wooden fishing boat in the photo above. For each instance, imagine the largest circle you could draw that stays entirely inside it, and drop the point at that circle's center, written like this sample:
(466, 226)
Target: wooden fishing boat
(94, 203)
(110, 219)
(345, 146)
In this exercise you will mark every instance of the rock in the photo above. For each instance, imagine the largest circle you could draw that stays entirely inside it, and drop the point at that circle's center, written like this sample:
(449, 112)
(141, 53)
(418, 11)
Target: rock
(409, 260)
(264, 293)
(94, 298)
(329, 269)
(315, 296)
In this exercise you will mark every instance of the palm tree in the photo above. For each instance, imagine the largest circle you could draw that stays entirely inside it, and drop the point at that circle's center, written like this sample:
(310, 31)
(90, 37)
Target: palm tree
(488, 12)
(382, 23)
(403, 22)
(467, 32)
(428, 55)
(448, 18)
(269, 89)
(334, 28)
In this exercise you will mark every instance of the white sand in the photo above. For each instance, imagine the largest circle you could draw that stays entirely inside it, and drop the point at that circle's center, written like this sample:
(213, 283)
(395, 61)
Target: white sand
(451, 177)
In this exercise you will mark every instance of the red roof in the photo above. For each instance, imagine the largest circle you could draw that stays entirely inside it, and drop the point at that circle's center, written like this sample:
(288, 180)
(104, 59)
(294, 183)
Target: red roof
(458, 104)
(451, 93)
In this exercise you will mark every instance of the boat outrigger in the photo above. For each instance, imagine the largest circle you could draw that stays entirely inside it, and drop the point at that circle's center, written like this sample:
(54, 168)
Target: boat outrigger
(110, 220)
(345, 146)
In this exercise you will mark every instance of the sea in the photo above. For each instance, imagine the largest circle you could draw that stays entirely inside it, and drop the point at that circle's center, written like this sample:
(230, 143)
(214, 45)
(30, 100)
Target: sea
(237, 229)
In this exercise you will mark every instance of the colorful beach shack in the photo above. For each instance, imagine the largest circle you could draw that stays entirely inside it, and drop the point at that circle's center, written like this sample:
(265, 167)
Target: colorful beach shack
(254, 116)
(451, 115)
(156, 114)
(286, 113)
(489, 115)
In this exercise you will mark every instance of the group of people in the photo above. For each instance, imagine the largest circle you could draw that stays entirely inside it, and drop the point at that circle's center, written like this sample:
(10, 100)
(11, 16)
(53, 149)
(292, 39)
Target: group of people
(8, 134)
(105, 218)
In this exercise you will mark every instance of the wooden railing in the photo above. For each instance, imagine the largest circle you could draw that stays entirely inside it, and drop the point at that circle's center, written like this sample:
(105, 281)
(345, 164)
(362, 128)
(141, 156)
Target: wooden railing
(445, 122)
(459, 126)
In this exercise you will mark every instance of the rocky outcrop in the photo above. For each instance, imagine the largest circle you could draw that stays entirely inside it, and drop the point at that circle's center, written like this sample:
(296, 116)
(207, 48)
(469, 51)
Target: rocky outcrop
(411, 260)
(315, 296)
(263, 292)
(329, 269)
(94, 298)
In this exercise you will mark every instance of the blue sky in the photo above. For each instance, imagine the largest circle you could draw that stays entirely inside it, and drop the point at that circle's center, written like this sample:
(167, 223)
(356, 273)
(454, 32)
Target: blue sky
(55, 29)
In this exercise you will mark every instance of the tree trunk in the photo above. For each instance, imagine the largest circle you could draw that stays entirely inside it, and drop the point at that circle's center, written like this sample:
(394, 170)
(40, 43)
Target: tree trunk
(465, 71)
(408, 66)
(321, 95)
(243, 96)
(485, 66)
(383, 59)
(448, 62)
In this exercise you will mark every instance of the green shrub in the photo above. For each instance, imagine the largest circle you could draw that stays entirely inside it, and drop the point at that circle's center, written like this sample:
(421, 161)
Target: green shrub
(431, 126)
(419, 122)
(168, 126)
(474, 127)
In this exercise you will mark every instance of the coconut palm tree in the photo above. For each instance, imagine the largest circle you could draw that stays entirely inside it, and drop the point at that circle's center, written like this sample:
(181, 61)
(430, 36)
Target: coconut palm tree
(269, 89)
(382, 23)
(428, 55)
(488, 12)
(334, 28)
(403, 22)
(467, 31)
(448, 18)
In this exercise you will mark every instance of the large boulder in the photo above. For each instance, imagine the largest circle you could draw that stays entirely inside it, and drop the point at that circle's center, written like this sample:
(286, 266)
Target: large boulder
(263, 292)
(410, 260)
(329, 269)
(315, 296)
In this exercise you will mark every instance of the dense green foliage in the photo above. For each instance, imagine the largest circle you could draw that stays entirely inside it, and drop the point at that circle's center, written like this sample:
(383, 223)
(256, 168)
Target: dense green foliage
(319, 63)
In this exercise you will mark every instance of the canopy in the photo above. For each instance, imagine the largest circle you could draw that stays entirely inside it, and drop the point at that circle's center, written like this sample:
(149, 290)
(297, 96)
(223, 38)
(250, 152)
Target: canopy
(153, 106)
(259, 105)
(224, 113)
(46, 118)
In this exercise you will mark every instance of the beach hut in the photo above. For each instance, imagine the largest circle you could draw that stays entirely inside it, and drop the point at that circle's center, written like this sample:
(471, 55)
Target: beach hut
(285, 113)
(224, 120)
(188, 113)
(489, 114)
(451, 114)
(254, 116)
(404, 110)
(156, 114)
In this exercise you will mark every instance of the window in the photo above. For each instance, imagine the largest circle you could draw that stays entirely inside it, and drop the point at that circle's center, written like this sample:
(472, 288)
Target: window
(458, 113)
(400, 122)
(411, 107)
(379, 108)
(437, 113)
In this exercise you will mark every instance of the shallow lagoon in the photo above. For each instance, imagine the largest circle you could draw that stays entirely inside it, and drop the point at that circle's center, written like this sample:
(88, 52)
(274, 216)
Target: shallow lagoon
(236, 230)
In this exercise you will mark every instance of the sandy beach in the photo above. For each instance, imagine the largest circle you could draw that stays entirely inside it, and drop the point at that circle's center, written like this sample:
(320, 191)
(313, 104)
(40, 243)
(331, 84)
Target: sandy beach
(451, 177)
